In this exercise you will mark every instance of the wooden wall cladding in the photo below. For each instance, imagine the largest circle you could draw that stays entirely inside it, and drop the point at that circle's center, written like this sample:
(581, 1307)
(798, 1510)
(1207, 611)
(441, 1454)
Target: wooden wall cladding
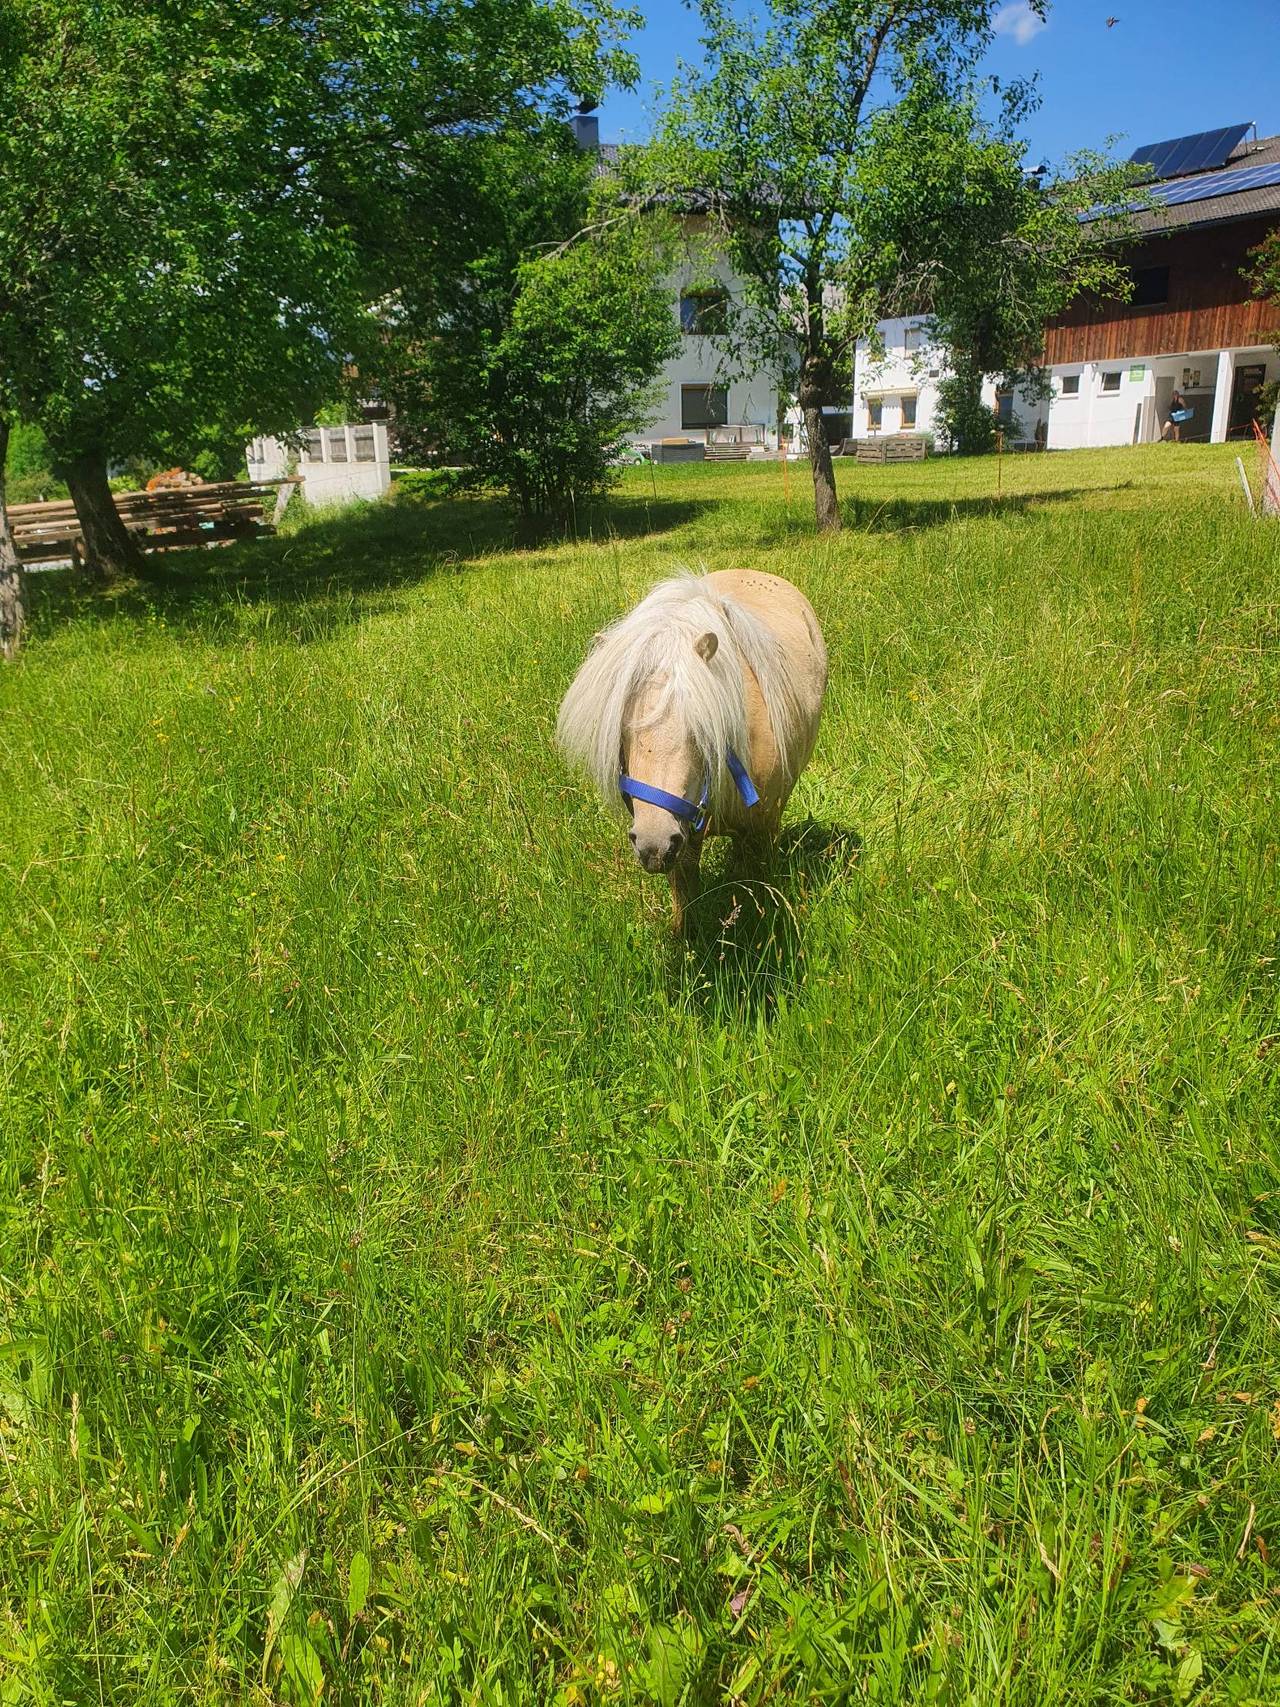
(1209, 306)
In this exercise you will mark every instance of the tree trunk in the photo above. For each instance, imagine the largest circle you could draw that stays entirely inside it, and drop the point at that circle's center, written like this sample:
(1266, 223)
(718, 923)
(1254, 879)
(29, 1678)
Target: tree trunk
(109, 548)
(12, 588)
(825, 504)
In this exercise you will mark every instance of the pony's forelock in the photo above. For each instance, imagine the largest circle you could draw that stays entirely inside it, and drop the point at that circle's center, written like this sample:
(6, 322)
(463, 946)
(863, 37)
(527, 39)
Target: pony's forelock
(654, 644)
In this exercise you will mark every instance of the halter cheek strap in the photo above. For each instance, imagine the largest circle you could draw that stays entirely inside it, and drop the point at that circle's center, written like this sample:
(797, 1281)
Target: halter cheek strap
(694, 812)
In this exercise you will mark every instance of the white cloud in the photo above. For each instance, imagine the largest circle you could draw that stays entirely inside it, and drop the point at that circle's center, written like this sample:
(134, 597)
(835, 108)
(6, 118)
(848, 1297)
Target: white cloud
(1016, 19)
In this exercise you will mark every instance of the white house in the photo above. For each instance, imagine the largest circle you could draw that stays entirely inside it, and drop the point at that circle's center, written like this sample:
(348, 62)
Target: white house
(703, 398)
(700, 401)
(895, 388)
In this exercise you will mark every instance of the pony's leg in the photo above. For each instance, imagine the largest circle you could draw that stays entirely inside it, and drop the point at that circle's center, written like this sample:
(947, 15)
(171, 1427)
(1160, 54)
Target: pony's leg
(757, 845)
(685, 879)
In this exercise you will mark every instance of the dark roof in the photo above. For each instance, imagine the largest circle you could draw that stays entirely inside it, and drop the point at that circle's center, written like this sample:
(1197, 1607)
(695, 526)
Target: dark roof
(1247, 187)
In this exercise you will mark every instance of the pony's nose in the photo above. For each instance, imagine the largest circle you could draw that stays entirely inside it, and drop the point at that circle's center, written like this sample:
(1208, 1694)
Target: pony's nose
(659, 855)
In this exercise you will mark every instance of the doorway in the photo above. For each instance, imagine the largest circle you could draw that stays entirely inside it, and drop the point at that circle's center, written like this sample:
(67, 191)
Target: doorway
(1164, 397)
(1249, 380)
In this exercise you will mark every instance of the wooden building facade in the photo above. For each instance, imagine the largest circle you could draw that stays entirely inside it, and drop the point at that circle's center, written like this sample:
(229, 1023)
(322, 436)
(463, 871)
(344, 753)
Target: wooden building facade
(1191, 295)
(1192, 325)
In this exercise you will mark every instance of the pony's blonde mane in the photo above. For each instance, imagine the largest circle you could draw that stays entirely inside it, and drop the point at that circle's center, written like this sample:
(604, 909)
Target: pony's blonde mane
(653, 646)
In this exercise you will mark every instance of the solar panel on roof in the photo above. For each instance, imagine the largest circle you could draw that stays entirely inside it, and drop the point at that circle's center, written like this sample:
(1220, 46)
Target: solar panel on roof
(1196, 153)
(1200, 189)
(1216, 184)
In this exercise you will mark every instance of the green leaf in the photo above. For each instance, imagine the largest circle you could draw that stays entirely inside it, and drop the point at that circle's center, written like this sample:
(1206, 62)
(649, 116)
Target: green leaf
(282, 1593)
(359, 1578)
(302, 1663)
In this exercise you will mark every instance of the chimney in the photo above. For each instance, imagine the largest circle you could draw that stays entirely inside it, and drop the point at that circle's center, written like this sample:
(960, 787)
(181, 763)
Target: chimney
(586, 127)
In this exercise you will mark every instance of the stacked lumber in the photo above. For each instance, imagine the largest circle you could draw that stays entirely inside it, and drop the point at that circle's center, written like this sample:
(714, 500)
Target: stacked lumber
(171, 519)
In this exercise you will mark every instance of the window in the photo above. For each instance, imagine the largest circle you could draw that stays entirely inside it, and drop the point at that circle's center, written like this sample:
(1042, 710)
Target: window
(837, 426)
(705, 312)
(1150, 287)
(1071, 385)
(908, 411)
(915, 337)
(704, 406)
(875, 414)
(1111, 382)
(1004, 408)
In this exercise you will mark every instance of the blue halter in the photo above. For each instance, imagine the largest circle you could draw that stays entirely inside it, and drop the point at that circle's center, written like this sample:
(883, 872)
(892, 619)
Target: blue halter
(694, 812)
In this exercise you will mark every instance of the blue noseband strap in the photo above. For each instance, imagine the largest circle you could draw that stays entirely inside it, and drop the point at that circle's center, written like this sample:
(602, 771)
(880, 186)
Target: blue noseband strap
(676, 804)
(694, 812)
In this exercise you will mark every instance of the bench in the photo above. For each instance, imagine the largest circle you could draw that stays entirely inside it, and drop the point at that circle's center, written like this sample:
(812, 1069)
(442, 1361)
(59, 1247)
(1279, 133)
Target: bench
(170, 519)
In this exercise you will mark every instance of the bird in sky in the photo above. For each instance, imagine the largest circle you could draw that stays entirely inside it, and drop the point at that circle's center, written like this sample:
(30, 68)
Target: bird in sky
(1112, 22)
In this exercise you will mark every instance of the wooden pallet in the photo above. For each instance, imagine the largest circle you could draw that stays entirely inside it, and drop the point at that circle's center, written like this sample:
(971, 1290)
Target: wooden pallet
(173, 519)
(894, 447)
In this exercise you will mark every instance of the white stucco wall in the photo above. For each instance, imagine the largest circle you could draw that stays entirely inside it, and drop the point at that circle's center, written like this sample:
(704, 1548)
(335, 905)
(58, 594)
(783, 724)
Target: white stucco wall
(909, 363)
(1097, 417)
(753, 398)
(1133, 414)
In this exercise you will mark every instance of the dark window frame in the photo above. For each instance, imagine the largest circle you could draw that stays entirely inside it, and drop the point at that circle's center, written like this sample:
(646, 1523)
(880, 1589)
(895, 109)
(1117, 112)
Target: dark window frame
(710, 417)
(1070, 385)
(704, 313)
(1107, 390)
(1150, 287)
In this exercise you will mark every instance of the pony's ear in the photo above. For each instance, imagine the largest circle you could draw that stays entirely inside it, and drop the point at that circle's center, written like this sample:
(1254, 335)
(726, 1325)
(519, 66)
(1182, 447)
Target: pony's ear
(705, 646)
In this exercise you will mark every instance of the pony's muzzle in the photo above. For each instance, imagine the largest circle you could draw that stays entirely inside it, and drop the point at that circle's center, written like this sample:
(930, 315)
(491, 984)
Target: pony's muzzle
(660, 852)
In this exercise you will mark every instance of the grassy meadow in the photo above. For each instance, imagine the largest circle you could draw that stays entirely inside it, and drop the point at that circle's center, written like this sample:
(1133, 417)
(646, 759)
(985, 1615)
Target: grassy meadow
(422, 1281)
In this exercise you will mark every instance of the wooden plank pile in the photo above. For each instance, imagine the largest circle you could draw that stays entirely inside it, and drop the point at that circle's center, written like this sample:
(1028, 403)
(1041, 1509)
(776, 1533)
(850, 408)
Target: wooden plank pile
(894, 447)
(172, 519)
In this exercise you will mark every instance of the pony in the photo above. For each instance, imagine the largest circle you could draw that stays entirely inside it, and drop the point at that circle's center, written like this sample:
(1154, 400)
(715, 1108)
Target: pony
(696, 712)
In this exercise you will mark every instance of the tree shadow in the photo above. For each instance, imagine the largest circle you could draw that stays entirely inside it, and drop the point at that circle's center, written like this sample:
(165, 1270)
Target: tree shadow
(743, 953)
(866, 513)
(326, 571)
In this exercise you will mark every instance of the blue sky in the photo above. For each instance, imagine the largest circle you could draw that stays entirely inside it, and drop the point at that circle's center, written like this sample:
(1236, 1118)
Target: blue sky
(1167, 67)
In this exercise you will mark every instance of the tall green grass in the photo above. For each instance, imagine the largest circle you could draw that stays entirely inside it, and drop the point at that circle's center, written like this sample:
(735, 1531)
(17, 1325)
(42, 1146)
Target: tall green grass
(425, 1282)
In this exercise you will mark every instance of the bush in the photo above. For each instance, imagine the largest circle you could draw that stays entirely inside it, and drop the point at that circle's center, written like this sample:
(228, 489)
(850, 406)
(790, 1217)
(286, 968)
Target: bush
(28, 467)
(963, 420)
(543, 410)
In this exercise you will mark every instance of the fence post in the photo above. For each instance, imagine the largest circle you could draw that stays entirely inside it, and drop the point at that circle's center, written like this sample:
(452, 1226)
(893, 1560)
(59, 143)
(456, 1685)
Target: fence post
(1271, 474)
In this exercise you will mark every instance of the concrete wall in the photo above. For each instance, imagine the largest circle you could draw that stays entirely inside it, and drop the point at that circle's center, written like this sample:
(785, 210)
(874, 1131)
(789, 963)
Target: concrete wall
(337, 464)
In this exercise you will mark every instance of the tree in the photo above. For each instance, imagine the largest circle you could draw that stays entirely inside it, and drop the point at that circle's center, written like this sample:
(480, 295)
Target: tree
(987, 249)
(537, 368)
(788, 139)
(199, 203)
(12, 594)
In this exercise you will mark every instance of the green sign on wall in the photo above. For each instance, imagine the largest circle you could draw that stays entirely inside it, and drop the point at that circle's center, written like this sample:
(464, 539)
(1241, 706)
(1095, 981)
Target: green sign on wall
(1138, 371)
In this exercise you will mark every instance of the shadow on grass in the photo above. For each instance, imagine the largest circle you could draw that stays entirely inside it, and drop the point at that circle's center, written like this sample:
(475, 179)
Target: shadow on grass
(743, 952)
(865, 513)
(330, 570)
